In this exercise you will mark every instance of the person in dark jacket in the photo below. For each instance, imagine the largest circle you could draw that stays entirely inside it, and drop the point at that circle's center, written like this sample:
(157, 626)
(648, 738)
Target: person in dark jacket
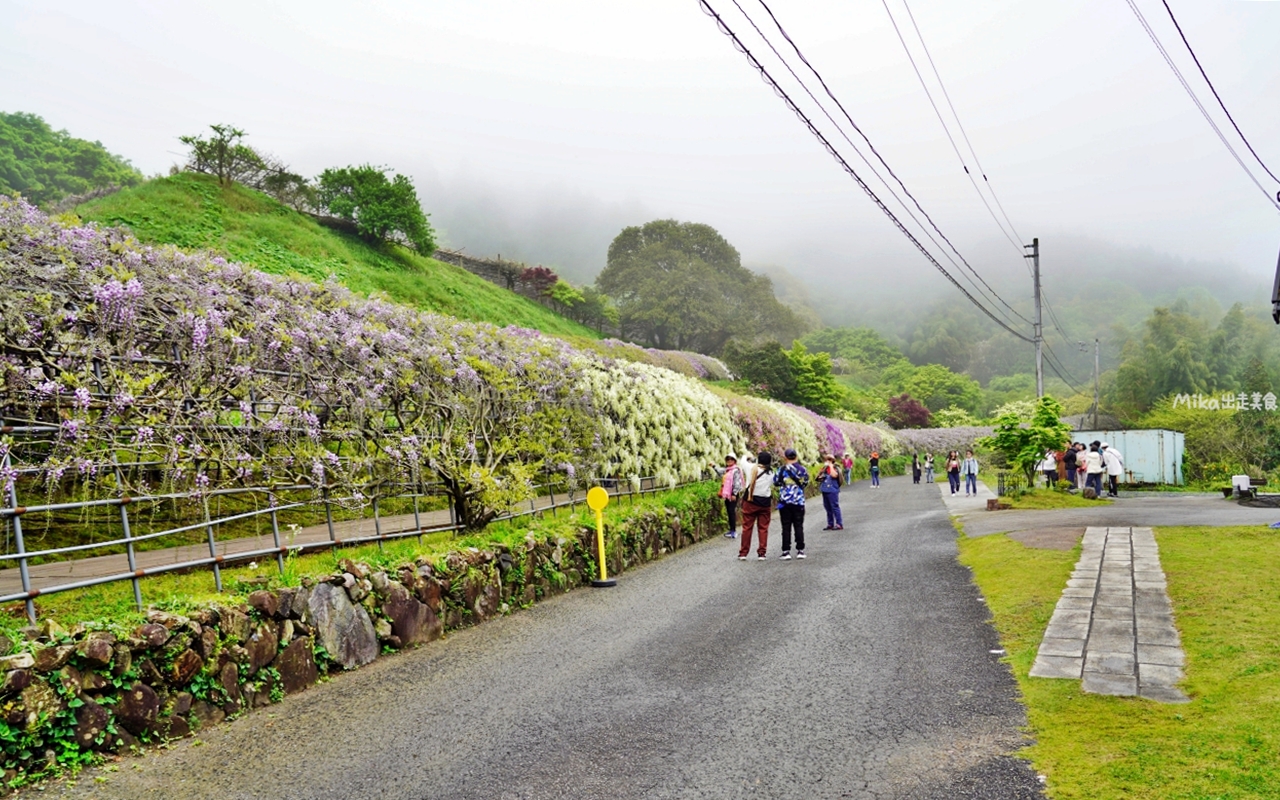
(829, 483)
(1069, 465)
(915, 467)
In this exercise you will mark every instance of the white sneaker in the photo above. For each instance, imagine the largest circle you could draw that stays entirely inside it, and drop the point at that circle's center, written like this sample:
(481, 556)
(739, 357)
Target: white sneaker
(799, 554)
(742, 558)
(761, 558)
(784, 557)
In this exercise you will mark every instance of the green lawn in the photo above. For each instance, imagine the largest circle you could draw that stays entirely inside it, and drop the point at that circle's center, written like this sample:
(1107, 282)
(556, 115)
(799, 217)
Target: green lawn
(1225, 588)
(193, 211)
(1050, 498)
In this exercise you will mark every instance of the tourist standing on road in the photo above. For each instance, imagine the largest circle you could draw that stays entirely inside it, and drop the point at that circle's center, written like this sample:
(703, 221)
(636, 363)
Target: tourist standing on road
(875, 469)
(757, 505)
(848, 468)
(1069, 465)
(1082, 476)
(829, 484)
(791, 480)
(915, 467)
(970, 471)
(928, 467)
(1049, 466)
(1113, 462)
(1094, 469)
(953, 471)
(730, 487)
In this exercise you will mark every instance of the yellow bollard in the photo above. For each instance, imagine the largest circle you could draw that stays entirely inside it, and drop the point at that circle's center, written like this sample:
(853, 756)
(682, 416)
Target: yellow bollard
(597, 499)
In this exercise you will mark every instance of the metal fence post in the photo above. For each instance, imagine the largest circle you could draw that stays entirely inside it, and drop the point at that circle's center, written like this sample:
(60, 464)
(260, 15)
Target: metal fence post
(213, 548)
(275, 531)
(128, 532)
(417, 520)
(328, 513)
(12, 497)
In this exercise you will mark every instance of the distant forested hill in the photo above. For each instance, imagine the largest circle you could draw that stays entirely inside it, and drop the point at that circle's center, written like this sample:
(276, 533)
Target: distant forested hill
(44, 165)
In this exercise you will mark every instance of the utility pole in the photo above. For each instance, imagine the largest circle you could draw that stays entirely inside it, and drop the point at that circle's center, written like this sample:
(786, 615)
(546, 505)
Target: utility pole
(1096, 350)
(1034, 247)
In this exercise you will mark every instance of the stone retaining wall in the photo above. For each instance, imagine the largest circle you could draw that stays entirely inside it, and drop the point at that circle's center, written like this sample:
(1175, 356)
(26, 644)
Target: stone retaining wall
(111, 689)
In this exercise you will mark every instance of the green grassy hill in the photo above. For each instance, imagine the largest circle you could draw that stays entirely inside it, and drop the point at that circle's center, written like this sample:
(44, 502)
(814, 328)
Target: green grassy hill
(193, 211)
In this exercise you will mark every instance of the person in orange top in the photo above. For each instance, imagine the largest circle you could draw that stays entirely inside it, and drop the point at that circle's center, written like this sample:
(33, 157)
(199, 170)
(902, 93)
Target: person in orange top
(875, 469)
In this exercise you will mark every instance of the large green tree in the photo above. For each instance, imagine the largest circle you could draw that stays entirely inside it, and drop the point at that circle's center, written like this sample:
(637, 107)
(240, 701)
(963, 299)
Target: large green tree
(935, 386)
(382, 208)
(681, 285)
(1023, 445)
(44, 165)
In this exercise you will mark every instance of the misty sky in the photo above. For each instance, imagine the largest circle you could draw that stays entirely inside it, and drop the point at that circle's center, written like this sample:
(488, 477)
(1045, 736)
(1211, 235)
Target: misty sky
(539, 129)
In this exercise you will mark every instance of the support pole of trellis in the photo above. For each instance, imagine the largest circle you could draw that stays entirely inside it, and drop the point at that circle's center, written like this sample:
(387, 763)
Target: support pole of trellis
(12, 497)
(417, 521)
(328, 513)
(213, 547)
(275, 531)
(126, 529)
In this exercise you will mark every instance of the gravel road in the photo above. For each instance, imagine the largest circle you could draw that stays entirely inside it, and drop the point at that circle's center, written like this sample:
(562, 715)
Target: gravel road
(864, 671)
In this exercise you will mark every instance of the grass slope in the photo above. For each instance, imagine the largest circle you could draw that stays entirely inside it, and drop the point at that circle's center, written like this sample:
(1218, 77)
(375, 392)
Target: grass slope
(1224, 744)
(193, 211)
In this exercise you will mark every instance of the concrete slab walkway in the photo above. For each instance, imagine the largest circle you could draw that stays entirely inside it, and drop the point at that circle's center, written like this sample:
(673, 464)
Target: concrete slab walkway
(963, 504)
(1113, 626)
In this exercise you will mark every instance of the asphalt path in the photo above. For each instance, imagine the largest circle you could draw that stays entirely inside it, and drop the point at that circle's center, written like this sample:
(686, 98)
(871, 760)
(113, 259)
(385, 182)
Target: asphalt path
(1131, 510)
(864, 671)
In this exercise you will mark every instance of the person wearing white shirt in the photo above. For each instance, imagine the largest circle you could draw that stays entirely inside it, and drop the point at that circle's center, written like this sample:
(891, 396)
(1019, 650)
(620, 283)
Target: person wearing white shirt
(1113, 462)
(1093, 469)
(1050, 468)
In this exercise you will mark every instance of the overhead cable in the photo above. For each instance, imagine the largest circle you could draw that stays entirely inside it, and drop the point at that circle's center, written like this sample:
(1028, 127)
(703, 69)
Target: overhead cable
(960, 124)
(1216, 96)
(840, 129)
(1203, 111)
(808, 123)
(946, 129)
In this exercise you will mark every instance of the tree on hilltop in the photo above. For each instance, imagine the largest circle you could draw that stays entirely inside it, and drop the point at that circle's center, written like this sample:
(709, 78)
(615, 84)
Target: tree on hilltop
(382, 209)
(681, 285)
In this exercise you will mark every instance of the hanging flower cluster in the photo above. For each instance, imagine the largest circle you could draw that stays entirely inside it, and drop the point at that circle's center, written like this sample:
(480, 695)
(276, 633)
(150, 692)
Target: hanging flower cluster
(655, 423)
(200, 374)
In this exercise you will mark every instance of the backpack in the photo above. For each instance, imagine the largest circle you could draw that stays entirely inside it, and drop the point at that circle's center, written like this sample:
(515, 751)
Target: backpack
(749, 494)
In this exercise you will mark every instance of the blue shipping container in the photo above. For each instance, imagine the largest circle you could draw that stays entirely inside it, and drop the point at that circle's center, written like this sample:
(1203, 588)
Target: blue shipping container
(1149, 456)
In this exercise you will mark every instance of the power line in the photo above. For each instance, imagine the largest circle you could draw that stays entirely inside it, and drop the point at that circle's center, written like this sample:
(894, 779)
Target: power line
(808, 123)
(959, 124)
(800, 54)
(947, 130)
(1203, 112)
(1216, 96)
(1060, 368)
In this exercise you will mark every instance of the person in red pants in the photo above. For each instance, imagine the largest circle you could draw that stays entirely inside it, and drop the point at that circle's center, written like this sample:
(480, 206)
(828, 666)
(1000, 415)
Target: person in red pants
(757, 506)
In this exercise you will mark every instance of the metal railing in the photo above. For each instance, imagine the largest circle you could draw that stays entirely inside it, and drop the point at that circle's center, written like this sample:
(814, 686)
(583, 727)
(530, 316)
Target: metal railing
(320, 500)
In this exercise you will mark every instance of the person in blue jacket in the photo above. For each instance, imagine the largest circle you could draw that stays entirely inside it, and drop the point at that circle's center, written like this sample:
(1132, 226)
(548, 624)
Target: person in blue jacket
(829, 484)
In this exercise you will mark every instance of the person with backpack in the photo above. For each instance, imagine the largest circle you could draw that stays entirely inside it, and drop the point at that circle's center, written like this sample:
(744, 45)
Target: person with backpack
(953, 471)
(730, 488)
(915, 467)
(791, 481)
(757, 505)
(829, 485)
(875, 469)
